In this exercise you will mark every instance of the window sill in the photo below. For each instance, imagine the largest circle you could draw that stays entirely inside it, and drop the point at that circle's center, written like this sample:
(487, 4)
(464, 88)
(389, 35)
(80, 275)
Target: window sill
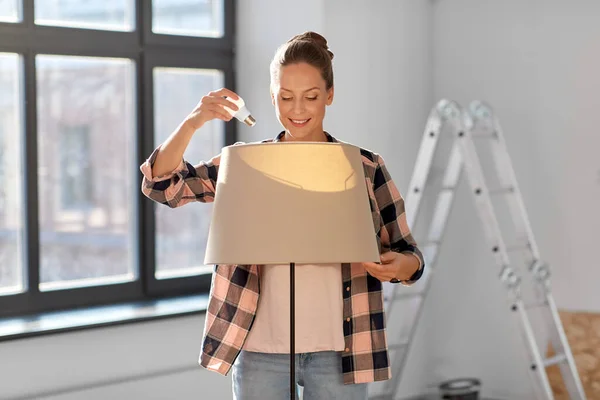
(93, 317)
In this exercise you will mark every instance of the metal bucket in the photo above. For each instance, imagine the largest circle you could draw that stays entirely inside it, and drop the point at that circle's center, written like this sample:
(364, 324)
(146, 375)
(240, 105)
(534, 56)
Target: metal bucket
(460, 389)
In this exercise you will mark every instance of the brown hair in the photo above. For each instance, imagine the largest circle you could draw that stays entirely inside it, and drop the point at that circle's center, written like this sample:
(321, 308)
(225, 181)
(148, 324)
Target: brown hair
(308, 47)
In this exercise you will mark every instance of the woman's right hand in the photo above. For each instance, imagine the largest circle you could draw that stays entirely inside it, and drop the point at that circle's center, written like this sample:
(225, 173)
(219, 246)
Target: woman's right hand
(212, 106)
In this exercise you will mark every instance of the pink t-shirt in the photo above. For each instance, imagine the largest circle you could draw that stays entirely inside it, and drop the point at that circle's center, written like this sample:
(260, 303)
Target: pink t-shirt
(319, 310)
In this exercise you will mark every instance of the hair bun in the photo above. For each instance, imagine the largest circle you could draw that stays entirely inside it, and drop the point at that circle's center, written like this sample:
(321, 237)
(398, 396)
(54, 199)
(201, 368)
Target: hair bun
(314, 37)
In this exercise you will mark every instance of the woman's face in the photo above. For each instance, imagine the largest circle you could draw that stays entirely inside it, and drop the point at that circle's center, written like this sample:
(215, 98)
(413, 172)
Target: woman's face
(300, 96)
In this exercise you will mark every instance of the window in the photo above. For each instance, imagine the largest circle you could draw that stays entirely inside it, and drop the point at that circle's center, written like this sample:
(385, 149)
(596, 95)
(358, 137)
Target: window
(75, 172)
(181, 233)
(88, 89)
(11, 222)
(10, 11)
(91, 14)
(86, 108)
(188, 17)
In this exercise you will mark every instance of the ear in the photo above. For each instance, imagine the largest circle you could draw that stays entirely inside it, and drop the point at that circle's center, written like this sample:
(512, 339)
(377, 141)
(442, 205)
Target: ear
(272, 96)
(330, 96)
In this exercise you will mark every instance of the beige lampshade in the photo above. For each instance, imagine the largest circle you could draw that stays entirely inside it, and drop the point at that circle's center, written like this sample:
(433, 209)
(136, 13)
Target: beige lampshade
(285, 202)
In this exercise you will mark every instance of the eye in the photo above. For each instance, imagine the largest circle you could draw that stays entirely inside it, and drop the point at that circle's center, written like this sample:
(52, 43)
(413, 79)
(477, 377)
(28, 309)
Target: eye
(312, 98)
(285, 98)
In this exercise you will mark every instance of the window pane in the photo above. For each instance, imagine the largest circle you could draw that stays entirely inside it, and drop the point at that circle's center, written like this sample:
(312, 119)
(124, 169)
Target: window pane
(10, 10)
(86, 159)
(181, 233)
(11, 173)
(188, 17)
(117, 15)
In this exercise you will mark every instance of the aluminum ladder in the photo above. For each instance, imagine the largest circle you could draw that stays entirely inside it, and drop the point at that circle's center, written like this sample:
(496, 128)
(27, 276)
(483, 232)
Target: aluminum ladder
(479, 123)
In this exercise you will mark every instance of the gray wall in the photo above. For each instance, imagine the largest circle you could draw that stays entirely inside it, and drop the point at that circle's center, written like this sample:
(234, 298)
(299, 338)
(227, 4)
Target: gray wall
(536, 65)
(536, 62)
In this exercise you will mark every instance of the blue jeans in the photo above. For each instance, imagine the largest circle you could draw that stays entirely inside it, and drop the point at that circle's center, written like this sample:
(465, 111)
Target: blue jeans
(267, 377)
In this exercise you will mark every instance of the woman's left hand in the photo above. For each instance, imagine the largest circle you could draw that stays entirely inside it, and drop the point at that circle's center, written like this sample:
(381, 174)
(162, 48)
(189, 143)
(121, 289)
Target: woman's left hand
(393, 266)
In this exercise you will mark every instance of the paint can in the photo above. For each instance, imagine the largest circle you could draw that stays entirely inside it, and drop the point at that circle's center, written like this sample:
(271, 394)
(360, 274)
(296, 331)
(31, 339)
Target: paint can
(460, 389)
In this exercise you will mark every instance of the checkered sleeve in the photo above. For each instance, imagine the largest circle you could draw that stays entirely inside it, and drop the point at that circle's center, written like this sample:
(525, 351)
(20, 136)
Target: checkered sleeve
(395, 233)
(185, 184)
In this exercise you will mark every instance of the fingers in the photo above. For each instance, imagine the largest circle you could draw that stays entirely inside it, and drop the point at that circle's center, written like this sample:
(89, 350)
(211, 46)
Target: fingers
(222, 117)
(388, 257)
(373, 266)
(217, 111)
(213, 106)
(219, 100)
(224, 92)
(376, 275)
(381, 272)
(374, 269)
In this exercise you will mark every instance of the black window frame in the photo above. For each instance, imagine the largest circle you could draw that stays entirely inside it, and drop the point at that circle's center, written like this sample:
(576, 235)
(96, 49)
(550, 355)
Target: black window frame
(146, 50)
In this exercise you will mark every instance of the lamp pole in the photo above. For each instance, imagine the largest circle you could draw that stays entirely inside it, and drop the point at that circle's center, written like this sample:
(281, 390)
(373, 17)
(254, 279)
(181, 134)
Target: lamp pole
(292, 332)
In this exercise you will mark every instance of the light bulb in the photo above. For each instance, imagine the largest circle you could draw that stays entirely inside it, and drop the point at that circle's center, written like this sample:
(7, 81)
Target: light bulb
(243, 115)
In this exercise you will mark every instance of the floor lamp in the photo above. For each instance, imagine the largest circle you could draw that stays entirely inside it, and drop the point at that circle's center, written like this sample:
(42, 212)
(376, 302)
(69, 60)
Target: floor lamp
(291, 203)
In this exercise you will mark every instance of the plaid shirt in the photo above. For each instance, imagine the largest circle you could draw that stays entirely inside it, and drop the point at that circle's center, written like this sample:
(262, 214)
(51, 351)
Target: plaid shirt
(235, 290)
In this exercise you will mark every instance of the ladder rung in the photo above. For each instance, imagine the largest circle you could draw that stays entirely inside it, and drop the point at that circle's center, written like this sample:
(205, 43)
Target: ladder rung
(518, 247)
(540, 304)
(557, 359)
(483, 135)
(502, 190)
(447, 188)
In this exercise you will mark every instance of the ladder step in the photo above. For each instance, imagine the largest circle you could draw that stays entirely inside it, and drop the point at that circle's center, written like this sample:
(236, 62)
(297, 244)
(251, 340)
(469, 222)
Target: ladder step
(514, 247)
(447, 188)
(502, 190)
(398, 346)
(536, 305)
(557, 359)
(483, 135)
(518, 247)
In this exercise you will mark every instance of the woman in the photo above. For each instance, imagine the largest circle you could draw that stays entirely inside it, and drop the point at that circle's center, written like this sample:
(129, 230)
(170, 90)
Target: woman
(340, 334)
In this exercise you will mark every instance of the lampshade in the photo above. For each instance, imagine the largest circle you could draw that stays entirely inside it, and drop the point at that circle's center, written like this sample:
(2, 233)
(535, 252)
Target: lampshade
(283, 202)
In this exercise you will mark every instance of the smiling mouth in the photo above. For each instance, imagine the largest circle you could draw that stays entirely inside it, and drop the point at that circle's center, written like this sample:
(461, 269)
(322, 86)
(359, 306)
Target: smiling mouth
(299, 122)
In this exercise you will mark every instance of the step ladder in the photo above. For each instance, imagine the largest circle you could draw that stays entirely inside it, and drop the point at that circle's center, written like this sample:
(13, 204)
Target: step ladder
(464, 127)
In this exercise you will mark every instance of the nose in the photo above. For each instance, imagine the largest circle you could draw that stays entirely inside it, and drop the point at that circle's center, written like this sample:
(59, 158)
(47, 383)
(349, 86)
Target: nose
(298, 106)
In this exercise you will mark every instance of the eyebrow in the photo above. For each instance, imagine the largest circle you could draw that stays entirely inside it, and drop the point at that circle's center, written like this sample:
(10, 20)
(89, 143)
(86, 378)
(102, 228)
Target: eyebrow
(307, 90)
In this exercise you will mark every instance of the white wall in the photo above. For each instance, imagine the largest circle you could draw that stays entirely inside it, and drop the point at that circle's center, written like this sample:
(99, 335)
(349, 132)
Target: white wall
(383, 67)
(262, 26)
